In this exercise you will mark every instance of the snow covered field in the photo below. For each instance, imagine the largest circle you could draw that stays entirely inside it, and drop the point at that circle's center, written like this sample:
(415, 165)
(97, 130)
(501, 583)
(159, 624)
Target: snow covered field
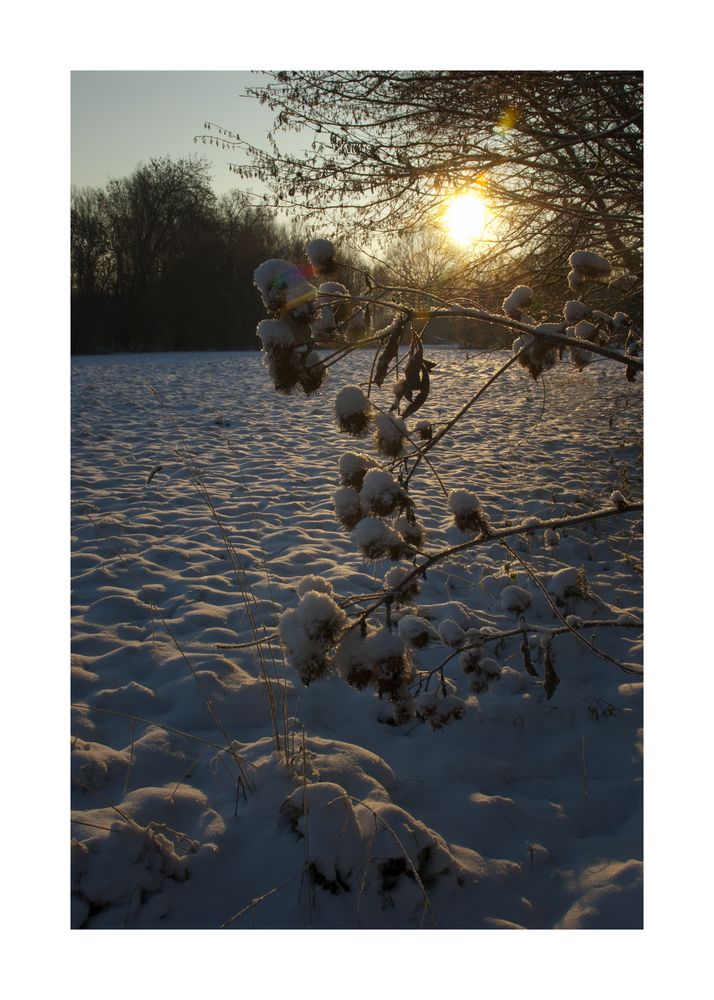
(527, 812)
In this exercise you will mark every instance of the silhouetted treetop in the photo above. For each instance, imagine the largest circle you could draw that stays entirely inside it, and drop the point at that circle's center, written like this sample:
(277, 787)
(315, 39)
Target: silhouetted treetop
(558, 154)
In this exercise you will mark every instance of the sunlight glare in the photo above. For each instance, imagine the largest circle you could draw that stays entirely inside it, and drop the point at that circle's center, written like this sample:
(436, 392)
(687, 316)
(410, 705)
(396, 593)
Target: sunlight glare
(466, 217)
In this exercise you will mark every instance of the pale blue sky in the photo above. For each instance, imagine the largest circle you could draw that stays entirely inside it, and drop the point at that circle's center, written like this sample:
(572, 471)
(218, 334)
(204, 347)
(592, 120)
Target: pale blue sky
(121, 119)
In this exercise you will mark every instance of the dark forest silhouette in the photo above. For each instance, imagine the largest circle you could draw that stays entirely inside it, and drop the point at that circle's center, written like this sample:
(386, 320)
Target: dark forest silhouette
(159, 263)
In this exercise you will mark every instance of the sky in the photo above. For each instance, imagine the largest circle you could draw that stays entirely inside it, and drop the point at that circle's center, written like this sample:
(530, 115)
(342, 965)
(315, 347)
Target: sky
(122, 119)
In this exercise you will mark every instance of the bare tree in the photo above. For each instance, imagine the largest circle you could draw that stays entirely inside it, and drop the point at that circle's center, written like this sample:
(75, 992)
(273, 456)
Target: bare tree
(558, 154)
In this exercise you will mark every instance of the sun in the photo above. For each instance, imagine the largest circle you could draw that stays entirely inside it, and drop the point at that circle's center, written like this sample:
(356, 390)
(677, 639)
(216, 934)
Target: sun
(466, 217)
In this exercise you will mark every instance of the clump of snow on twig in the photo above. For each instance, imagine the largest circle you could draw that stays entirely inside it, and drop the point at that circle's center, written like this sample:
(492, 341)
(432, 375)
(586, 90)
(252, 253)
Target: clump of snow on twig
(353, 411)
(321, 254)
(390, 434)
(520, 298)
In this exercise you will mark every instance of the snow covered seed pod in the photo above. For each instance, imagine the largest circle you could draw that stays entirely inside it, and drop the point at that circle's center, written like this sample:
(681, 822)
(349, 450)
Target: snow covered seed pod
(391, 663)
(415, 631)
(309, 631)
(321, 254)
(322, 619)
(576, 280)
(353, 411)
(584, 330)
(281, 360)
(348, 507)
(413, 532)
(276, 337)
(620, 322)
(308, 658)
(352, 660)
(390, 434)
(568, 582)
(284, 290)
(487, 672)
(451, 633)
(402, 707)
(424, 429)
(551, 537)
(469, 515)
(515, 599)
(381, 494)
(520, 298)
(402, 582)
(311, 372)
(378, 540)
(625, 283)
(354, 465)
(329, 310)
(439, 710)
(575, 310)
(589, 264)
(316, 583)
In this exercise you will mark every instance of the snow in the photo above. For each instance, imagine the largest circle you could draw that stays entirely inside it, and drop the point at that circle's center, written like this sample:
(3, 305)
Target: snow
(520, 298)
(348, 506)
(345, 819)
(576, 280)
(450, 633)
(353, 466)
(390, 434)
(381, 494)
(377, 539)
(589, 264)
(275, 335)
(574, 310)
(321, 254)
(353, 410)
(318, 583)
(415, 630)
(283, 288)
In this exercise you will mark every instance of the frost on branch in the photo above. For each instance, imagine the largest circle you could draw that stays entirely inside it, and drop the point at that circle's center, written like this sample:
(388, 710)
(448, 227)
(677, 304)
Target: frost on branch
(584, 330)
(289, 361)
(353, 411)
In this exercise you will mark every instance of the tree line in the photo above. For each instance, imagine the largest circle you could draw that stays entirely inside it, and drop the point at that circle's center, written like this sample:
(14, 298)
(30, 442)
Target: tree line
(159, 263)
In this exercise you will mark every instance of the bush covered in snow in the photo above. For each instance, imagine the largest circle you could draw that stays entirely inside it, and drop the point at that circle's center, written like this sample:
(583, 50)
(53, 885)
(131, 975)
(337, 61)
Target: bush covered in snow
(373, 499)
